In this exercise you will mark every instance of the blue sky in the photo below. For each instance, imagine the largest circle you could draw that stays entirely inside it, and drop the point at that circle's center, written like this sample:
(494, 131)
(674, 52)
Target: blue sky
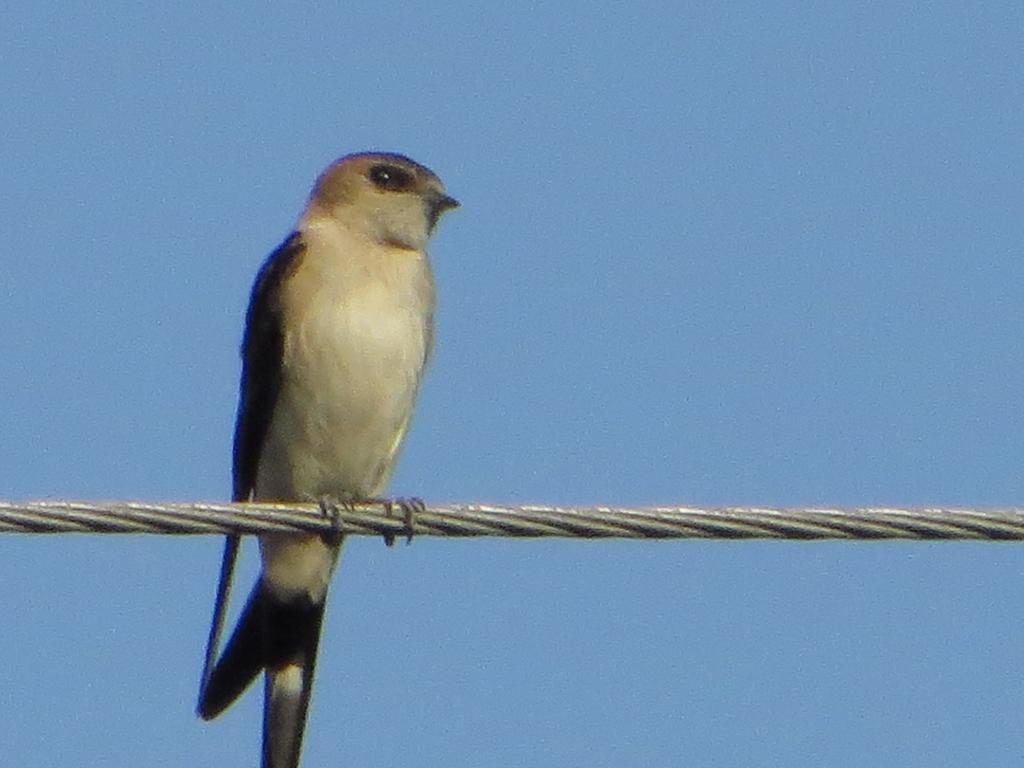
(747, 254)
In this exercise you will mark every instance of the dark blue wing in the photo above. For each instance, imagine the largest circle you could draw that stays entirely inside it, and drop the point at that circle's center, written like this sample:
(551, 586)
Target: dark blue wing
(262, 350)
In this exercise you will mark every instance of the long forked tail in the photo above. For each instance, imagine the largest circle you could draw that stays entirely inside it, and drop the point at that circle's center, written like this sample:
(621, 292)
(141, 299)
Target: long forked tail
(281, 638)
(227, 572)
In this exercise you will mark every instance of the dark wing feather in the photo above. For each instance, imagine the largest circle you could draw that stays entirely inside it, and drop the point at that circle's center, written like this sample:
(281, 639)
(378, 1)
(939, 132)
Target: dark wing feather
(262, 350)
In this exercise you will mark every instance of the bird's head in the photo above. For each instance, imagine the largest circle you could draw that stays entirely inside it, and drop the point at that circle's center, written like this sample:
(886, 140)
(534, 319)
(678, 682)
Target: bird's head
(386, 197)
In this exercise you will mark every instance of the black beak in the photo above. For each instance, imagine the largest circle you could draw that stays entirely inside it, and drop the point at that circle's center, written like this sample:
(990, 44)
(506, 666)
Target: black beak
(439, 205)
(445, 203)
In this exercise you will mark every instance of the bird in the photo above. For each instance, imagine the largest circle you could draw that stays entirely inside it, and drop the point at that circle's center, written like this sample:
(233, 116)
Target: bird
(338, 333)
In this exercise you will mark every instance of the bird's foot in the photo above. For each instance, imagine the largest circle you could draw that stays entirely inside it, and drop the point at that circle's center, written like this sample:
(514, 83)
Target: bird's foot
(330, 508)
(409, 509)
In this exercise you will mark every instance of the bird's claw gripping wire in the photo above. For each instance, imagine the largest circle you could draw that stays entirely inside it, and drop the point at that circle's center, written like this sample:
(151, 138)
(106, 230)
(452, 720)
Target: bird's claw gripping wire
(409, 509)
(331, 510)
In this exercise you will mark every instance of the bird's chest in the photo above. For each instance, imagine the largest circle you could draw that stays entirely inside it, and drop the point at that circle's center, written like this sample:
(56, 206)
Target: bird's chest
(353, 355)
(356, 355)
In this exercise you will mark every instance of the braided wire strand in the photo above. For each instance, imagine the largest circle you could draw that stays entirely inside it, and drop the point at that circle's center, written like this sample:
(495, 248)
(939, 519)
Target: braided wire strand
(463, 520)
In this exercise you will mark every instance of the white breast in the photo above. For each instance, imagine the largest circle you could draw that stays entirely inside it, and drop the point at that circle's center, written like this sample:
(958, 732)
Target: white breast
(356, 339)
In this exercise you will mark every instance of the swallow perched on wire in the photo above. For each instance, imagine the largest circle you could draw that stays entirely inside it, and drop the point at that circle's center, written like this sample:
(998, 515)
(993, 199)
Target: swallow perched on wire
(338, 332)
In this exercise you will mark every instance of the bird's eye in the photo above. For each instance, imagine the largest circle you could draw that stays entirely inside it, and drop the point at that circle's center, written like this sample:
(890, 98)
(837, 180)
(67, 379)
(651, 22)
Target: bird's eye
(390, 177)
